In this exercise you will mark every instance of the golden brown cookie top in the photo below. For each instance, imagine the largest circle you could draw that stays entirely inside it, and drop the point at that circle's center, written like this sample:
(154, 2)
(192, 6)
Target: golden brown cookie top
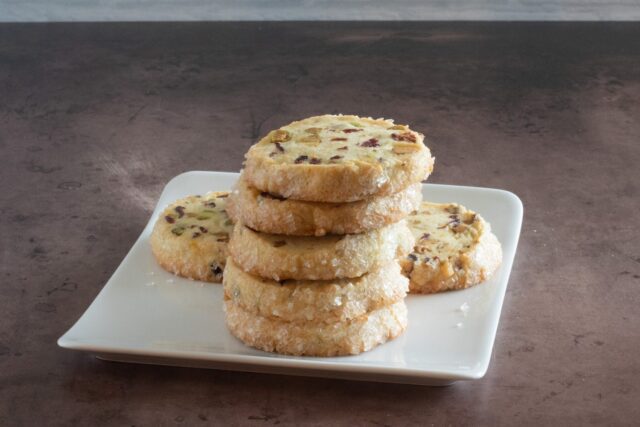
(195, 217)
(340, 140)
(443, 231)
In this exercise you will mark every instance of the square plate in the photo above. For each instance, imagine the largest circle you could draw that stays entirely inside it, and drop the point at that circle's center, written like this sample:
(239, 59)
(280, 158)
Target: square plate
(146, 315)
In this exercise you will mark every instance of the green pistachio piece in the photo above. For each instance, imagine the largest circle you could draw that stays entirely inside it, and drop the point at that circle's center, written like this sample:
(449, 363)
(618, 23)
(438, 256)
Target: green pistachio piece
(178, 230)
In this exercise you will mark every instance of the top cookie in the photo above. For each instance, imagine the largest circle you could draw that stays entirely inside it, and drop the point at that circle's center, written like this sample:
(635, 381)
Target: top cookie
(335, 158)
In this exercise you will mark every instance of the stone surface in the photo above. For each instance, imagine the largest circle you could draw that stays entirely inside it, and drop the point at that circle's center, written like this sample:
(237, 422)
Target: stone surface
(95, 118)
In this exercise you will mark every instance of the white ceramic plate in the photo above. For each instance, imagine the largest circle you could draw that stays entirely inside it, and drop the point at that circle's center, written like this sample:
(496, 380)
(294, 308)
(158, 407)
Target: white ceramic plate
(144, 314)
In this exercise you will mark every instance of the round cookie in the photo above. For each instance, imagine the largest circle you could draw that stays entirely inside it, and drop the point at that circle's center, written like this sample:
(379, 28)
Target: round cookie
(454, 249)
(320, 301)
(191, 235)
(335, 158)
(272, 214)
(282, 257)
(317, 338)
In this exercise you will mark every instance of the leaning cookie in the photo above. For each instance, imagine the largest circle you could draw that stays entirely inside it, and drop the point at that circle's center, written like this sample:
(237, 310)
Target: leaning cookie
(312, 300)
(272, 214)
(281, 257)
(335, 158)
(454, 249)
(317, 338)
(191, 235)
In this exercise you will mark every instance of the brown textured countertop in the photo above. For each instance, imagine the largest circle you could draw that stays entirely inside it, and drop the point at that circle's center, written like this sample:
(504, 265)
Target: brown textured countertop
(96, 118)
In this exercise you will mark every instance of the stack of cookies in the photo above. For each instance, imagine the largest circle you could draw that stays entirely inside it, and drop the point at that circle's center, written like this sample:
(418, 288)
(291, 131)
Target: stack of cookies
(319, 225)
(320, 221)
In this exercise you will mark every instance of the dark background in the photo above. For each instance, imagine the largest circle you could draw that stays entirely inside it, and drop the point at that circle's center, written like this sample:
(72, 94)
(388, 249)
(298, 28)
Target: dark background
(96, 118)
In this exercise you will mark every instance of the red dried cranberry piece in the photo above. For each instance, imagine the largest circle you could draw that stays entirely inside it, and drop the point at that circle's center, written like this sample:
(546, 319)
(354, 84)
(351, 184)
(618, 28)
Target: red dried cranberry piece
(210, 204)
(425, 236)
(335, 157)
(203, 229)
(370, 143)
(315, 161)
(301, 159)
(279, 147)
(412, 257)
(343, 148)
(351, 130)
(405, 136)
(169, 219)
(180, 210)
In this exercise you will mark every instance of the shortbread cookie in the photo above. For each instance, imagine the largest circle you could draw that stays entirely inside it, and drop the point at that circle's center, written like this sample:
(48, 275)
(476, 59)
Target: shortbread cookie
(454, 249)
(320, 300)
(338, 159)
(317, 338)
(272, 214)
(281, 257)
(191, 235)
